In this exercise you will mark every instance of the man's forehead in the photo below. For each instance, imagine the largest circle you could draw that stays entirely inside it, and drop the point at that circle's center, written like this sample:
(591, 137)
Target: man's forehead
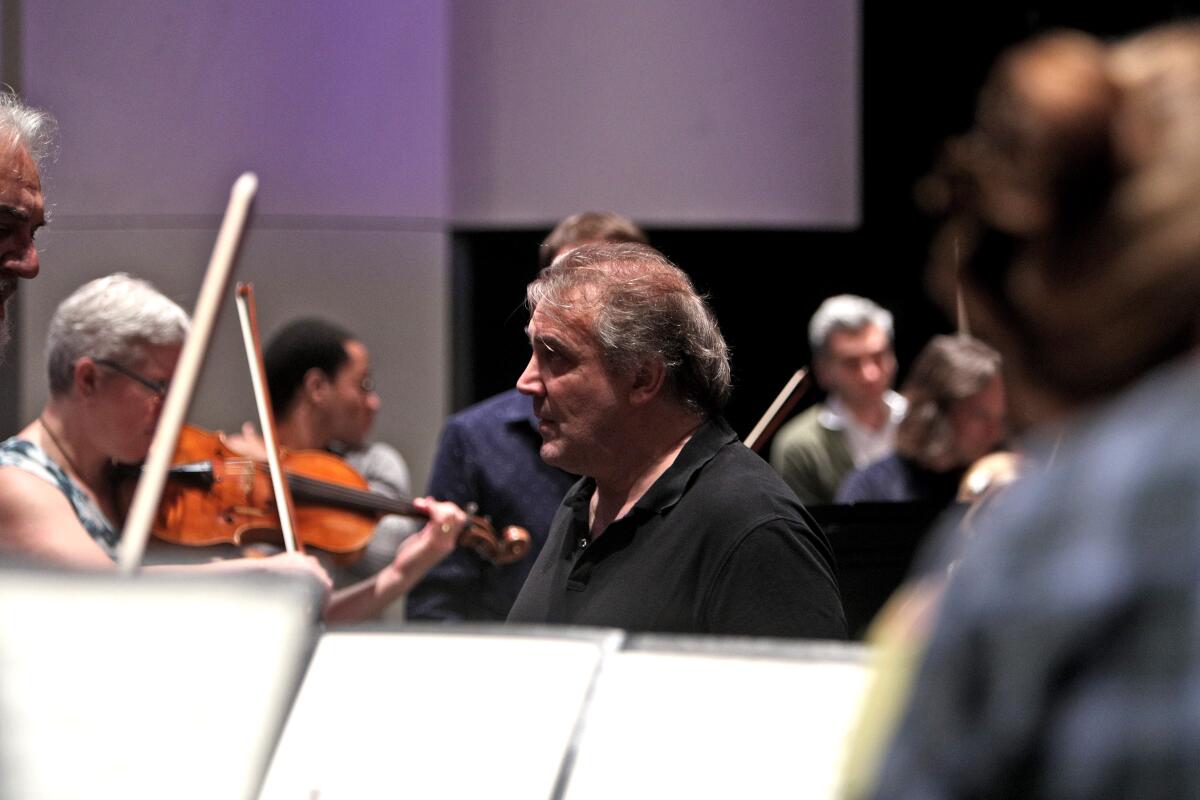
(870, 338)
(20, 184)
(563, 324)
(17, 165)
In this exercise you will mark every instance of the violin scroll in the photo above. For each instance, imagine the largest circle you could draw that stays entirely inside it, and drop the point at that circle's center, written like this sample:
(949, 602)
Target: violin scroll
(509, 547)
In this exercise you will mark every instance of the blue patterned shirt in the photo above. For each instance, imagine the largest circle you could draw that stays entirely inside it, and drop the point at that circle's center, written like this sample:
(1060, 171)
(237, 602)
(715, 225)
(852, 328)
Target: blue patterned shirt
(489, 455)
(24, 454)
(1065, 662)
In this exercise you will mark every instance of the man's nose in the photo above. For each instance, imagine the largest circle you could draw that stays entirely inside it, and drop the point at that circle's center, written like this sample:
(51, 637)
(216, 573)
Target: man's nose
(23, 263)
(530, 381)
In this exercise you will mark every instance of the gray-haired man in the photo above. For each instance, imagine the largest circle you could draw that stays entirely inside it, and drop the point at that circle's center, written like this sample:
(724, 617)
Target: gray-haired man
(851, 339)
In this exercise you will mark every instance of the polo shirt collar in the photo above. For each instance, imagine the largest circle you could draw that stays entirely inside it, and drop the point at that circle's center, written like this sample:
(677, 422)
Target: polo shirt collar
(710, 437)
(713, 434)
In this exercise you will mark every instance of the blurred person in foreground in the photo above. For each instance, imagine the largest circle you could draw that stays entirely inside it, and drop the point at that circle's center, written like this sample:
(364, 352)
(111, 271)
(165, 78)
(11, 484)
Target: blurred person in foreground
(1063, 658)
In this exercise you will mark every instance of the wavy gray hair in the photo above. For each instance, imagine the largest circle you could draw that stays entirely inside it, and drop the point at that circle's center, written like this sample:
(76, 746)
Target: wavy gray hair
(32, 128)
(640, 305)
(114, 317)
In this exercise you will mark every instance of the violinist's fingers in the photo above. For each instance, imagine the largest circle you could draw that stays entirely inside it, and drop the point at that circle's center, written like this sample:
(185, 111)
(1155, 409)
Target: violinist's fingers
(446, 522)
(248, 443)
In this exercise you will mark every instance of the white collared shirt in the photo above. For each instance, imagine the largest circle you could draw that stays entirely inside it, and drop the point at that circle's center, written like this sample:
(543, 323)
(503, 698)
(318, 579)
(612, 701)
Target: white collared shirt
(866, 446)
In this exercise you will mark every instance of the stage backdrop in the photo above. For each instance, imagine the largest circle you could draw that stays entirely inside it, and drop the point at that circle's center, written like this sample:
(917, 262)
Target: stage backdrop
(378, 127)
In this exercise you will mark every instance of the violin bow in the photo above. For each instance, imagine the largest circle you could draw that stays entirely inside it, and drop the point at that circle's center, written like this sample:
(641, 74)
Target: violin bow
(962, 322)
(148, 494)
(248, 316)
(784, 402)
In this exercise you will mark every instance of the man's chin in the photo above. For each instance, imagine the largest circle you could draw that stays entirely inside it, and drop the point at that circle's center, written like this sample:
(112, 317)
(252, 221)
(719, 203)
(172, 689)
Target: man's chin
(552, 454)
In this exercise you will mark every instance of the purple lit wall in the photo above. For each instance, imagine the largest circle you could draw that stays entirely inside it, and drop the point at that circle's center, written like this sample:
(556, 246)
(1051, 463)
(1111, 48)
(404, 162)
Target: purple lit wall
(341, 110)
(694, 112)
(376, 126)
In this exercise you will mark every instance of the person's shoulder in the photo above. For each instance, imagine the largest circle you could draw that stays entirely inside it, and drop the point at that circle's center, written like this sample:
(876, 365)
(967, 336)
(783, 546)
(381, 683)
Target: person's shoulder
(738, 481)
(31, 503)
(507, 406)
(26, 458)
(805, 430)
(879, 481)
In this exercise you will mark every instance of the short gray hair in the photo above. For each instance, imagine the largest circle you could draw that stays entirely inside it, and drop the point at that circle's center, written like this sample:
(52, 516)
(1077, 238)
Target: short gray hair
(114, 317)
(641, 306)
(31, 128)
(845, 312)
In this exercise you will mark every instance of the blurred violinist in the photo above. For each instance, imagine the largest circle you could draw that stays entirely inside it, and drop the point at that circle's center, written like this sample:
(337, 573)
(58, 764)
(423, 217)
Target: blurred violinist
(111, 350)
(956, 415)
(323, 398)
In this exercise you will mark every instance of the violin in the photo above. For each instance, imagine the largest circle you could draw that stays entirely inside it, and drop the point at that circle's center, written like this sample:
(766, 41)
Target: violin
(215, 495)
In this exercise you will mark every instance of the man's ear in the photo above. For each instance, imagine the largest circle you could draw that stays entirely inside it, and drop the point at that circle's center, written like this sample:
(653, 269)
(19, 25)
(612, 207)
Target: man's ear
(86, 377)
(648, 381)
(315, 386)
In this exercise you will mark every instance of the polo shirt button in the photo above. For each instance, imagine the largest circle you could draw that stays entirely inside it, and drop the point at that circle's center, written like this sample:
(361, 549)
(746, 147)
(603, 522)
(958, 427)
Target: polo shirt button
(583, 542)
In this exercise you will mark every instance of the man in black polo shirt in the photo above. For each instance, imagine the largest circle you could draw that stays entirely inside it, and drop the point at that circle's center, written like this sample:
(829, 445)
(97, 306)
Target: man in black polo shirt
(676, 526)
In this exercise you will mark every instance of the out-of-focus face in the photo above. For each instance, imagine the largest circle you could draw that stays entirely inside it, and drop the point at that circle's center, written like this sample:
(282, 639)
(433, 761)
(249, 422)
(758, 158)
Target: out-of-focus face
(353, 402)
(858, 366)
(125, 408)
(979, 422)
(22, 212)
(580, 405)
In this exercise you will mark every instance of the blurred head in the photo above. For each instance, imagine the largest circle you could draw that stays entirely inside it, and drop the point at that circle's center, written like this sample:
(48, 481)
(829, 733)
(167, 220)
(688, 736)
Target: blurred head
(588, 227)
(116, 318)
(1075, 205)
(26, 138)
(112, 348)
(603, 317)
(851, 341)
(956, 406)
(321, 364)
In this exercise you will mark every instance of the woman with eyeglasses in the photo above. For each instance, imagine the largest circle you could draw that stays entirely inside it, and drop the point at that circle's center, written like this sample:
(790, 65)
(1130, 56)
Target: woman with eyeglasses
(110, 353)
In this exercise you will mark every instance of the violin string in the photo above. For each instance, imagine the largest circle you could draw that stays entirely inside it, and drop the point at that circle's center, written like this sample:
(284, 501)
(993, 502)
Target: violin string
(317, 489)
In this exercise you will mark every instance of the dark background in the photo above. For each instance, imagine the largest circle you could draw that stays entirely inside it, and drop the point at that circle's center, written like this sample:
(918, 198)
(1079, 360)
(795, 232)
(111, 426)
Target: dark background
(921, 71)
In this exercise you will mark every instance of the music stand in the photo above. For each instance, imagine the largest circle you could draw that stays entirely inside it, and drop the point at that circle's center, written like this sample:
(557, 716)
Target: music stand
(145, 687)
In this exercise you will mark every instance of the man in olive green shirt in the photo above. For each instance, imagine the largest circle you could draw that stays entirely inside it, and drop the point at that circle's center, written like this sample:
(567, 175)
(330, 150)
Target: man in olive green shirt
(853, 360)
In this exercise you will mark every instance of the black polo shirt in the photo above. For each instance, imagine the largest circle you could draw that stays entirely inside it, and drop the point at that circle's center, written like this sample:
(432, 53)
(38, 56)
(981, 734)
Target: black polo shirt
(719, 544)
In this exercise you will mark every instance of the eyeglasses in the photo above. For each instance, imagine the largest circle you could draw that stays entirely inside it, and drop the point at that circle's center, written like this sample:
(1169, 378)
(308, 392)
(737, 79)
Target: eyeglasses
(158, 387)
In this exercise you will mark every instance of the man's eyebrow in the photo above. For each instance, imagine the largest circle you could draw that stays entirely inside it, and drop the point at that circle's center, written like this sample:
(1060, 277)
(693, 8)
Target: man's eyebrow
(15, 213)
(548, 341)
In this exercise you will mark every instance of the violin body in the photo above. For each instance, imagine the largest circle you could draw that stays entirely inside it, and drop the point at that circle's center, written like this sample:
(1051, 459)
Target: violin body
(216, 496)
